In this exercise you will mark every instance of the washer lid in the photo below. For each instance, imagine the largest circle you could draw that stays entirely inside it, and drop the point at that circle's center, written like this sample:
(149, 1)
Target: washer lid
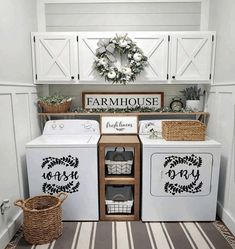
(160, 142)
(64, 141)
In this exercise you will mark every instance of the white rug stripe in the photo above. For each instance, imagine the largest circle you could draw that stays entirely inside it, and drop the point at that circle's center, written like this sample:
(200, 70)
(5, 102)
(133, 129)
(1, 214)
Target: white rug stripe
(130, 234)
(76, 235)
(205, 236)
(122, 237)
(167, 236)
(113, 236)
(52, 244)
(159, 236)
(150, 236)
(84, 236)
(45, 246)
(196, 235)
(92, 244)
(189, 237)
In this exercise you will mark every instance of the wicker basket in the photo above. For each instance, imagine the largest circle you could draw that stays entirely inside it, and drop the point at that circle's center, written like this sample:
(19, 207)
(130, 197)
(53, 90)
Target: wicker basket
(119, 162)
(119, 199)
(183, 130)
(42, 218)
(57, 108)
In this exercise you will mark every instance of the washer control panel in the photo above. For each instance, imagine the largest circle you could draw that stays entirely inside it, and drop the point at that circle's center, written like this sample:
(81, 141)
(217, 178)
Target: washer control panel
(73, 127)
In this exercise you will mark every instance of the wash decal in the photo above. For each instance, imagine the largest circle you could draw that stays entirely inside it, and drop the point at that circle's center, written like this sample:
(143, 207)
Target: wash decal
(60, 174)
(183, 174)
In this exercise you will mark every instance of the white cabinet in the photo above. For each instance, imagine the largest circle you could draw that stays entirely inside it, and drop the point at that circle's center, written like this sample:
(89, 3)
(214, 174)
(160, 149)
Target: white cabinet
(154, 46)
(55, 57)
(191, 56)
(173, 57)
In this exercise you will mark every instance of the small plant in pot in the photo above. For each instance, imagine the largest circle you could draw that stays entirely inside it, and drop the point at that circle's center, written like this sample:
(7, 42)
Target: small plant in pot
(54, 103)
(192, 95)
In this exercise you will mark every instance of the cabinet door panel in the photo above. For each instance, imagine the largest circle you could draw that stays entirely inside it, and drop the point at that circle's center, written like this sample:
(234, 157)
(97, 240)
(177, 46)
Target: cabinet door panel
(154, 45)
(191, 56)
(56, 57)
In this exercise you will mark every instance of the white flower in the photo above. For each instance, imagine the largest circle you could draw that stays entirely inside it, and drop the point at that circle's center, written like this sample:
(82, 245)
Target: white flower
(103, 61)
(122, 43)
(137, 57)
(126, 70)
(111, 75)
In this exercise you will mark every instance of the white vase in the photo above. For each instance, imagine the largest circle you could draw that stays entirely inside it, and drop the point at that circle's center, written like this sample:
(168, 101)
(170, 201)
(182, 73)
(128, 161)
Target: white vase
(193, 105)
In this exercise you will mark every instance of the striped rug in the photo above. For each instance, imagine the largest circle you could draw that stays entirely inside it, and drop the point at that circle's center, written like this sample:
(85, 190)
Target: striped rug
(139, 235)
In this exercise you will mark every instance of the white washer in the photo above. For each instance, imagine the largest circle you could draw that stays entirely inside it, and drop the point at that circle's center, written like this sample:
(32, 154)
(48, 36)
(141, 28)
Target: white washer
(179, 178)
(64, 158)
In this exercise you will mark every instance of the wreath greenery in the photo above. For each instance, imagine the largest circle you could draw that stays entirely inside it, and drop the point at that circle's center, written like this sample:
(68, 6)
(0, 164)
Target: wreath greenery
(106, 57)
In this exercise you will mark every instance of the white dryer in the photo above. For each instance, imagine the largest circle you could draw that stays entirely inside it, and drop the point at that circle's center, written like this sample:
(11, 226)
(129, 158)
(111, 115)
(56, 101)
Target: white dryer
(179, 178)
(64, 158)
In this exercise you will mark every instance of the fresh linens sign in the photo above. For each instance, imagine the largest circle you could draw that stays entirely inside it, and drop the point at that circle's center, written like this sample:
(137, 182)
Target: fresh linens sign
(119, 124)
(122, 100)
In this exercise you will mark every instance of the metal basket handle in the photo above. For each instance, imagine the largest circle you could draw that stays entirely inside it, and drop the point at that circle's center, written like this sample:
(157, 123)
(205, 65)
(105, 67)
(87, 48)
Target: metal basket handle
(119, 147)
(62, 196)
(20, 203)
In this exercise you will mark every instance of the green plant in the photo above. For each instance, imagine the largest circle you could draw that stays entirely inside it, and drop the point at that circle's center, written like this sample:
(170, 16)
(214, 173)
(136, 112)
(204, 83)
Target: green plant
(54, 99)
(192, 93)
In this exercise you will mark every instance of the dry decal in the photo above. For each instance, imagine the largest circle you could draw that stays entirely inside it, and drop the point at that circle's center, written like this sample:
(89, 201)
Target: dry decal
(183, 174)
(60, 174)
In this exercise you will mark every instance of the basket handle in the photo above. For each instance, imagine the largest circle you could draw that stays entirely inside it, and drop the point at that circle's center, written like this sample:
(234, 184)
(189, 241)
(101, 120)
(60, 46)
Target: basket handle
(20, 203)
(62, 196)
(118, 147)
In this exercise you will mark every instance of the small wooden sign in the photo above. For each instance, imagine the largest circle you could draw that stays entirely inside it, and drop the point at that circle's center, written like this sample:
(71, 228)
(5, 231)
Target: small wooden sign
(119, 124)
(122, 100)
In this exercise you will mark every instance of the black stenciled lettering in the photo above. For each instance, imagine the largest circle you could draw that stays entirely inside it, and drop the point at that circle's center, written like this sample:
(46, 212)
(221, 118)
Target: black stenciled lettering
(59, 176)
(104, 101)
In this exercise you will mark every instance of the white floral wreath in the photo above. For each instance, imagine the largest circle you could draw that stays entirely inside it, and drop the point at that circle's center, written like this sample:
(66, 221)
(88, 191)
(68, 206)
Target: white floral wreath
(105, 58)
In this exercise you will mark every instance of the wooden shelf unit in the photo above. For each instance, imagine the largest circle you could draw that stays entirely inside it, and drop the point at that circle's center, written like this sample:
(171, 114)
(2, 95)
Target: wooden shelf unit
(113, 141)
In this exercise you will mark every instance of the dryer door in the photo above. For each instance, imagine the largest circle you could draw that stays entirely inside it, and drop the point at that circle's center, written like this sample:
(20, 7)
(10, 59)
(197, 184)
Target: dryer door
(174, 174)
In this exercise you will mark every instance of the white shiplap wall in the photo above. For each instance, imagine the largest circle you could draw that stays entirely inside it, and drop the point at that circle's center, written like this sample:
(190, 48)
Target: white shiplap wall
(123, 16)
(18, 125)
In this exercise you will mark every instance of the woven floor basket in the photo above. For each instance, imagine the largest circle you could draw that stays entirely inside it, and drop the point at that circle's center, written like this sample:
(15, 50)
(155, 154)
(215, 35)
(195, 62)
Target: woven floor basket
(183, 130)
(58, 108)
(42, 218)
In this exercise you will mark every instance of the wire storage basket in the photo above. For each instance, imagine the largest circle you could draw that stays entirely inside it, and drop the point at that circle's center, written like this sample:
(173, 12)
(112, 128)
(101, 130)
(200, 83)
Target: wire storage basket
(56, 108)
(42, 218)
(190, 130)
(119, 162)
(119, 199)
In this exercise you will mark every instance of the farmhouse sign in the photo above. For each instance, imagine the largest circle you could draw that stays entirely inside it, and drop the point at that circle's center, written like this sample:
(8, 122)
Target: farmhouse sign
(122, 100)
(119, 124)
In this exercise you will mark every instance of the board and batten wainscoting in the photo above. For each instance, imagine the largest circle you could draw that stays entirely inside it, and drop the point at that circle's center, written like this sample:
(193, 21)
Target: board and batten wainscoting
(221, 126)
(19, 124)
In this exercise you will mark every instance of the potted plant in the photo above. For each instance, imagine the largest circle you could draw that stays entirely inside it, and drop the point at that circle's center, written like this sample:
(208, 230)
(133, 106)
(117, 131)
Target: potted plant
(192, 95)
(54, 103)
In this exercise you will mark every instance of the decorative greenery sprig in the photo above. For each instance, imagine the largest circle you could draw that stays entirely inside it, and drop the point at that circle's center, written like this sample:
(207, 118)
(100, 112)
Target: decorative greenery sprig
(127, 110)
(54, 99)
(192, 93)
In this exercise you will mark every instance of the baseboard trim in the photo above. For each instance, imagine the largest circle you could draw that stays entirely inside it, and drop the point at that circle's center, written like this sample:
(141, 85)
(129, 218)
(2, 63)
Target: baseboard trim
(226, 217)
(11, 229)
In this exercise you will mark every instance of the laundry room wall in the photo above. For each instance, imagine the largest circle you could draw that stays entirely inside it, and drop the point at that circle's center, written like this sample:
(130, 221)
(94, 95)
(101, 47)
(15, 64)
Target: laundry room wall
(145, 16)
(221, 104)
(18, 112)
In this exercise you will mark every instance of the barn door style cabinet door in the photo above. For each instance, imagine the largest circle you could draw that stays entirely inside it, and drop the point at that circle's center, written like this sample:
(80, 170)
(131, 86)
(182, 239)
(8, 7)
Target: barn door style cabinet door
(55, 57)
(191, 56)
(154, 46)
